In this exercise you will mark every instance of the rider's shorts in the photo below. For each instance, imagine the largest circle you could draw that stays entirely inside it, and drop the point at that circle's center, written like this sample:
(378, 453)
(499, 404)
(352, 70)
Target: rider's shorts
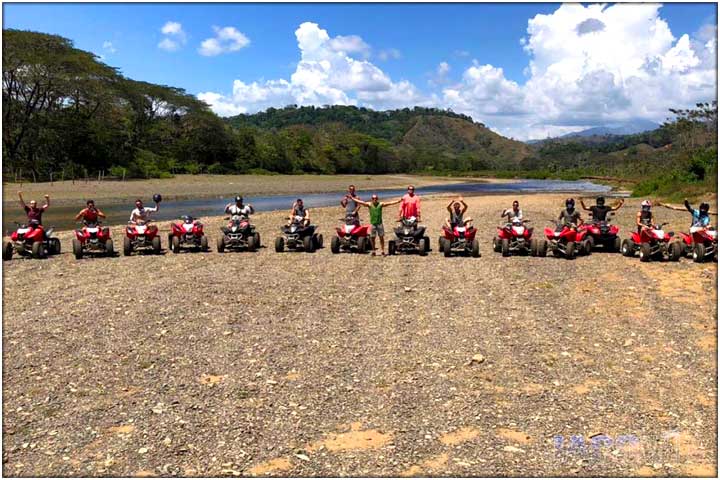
(377, 230)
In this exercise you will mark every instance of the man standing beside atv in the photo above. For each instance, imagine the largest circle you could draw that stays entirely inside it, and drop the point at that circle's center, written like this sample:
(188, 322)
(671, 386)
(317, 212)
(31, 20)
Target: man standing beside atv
(599, 211)
(33, 212)
(90, 213)
(376, 222)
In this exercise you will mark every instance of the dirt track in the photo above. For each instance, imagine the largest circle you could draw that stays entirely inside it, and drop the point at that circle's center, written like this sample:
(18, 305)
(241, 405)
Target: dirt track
(319, 365)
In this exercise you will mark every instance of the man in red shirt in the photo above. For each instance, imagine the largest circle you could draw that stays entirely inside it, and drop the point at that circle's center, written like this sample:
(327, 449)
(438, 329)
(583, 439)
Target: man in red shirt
(90, 214)
(34, 213)
(410, 205)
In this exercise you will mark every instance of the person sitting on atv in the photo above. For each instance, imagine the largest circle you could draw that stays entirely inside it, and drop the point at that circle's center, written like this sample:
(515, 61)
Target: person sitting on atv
(350, 204)
(239, 208)
(33, 212)
(569, 216)
(599, 211)
(299, 213)
(410, 205)
(513, 214)
(700, 217)
(141, 215)
(457, 209)
(376, 222)
(90, 213)
(644, 218)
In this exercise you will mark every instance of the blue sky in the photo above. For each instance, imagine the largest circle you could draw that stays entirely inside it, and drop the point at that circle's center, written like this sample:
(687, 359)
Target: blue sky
(458, 56)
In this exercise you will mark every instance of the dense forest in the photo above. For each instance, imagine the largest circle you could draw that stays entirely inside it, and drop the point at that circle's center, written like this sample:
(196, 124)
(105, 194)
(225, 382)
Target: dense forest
(66, 114)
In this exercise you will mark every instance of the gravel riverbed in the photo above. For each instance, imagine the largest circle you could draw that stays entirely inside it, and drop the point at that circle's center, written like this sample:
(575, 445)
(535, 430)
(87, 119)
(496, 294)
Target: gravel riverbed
(298, 364)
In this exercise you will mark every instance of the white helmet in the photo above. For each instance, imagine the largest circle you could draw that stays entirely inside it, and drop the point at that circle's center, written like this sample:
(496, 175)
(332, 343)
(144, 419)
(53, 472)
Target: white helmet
(646, 203)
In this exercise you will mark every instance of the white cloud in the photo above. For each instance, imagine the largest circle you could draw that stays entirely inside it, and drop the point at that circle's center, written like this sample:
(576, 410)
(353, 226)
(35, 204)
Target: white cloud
(174, 38)
(227, 39)
(108, 46)
(389, 54)
(587, 66)
(325, 75)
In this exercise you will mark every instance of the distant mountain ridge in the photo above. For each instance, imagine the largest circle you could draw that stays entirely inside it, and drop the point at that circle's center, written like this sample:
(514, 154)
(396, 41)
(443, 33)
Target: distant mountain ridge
(616, 129)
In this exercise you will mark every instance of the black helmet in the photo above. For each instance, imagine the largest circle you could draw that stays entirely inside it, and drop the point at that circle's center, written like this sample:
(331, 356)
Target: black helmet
(157, 198)
(238, 198)
(570, 203)
(704, 207)
(600, 201)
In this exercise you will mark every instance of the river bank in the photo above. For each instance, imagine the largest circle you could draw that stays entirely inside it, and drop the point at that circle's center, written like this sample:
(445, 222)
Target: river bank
(300, 364)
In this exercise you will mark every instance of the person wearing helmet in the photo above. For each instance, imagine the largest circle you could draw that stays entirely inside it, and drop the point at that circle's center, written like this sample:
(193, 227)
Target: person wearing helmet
(299, 213)
(599, 211)
(90, 213)
(700, 217)
(569, 216)
(513, 214)
(239, 208)
(141, 214)
(644, 218)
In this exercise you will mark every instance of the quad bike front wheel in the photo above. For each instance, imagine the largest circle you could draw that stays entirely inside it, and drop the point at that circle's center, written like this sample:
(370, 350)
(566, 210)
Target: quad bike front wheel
(257, 239)
(156, 245)
(109, 250)
(37, 249)
(362, 245)
(698, 253)
(475, 251)
(174, 243)
(542, 247)
(204, 244)
(422, 247)
(8, 251)
(505, 247)
(628, 247)
(645, 252)
(279, 244)
(392, 247)
(588, 245)
(570, 250)
(308, 244)
(335, 245)
(534, 247)
(616, 245)
(251, 243)
(447, 248)
(77, 249)
(54, 246)
(497, 246)
(440, 243)
(675, 251)
(427, 243)
(127, 246)
(221, 244)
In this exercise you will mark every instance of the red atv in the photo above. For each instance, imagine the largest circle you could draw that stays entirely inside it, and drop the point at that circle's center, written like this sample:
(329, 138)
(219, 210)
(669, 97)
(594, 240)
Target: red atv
(31, 239)
(562, 241)
(461, 239)
(652, 242)
(514, 237)
(141, 237)
(92, 239)
(600, 233)
(187, 235)
(351, 236)
(701, 243)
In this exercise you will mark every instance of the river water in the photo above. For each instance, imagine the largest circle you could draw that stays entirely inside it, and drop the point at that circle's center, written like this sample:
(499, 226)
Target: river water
(62, 218)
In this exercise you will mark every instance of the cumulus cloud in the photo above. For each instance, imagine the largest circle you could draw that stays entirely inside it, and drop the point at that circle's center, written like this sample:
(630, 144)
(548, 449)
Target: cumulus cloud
(174, 38)
(226, 39)
(108, 47)
(587, 66)
(326, 74)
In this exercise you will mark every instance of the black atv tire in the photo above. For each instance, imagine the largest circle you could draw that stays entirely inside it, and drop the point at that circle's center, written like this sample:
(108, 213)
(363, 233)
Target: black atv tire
(427, 243)
(645, 252)
(279, 244)
(440, 243)
(505, 247)
(588, 246)
(257, 240)
(251, 243)
(497, 246)
(335, 245)
(308, 244)
(54, 246)
(220, 244)
(422, 248)
(675, 251)
(534, 247)
(77, 249)
(317, 241)
(447, 248)
(362, 244)
(570, 250)
(157, 245)
(127, 246)
(8, 251)
(392, 248)
(542, 248)
(698, 253)
(37, 249)
(109, 247)
(616, 245)
(475, 250)
(204, 244)
(174, 243)
(628, 248)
